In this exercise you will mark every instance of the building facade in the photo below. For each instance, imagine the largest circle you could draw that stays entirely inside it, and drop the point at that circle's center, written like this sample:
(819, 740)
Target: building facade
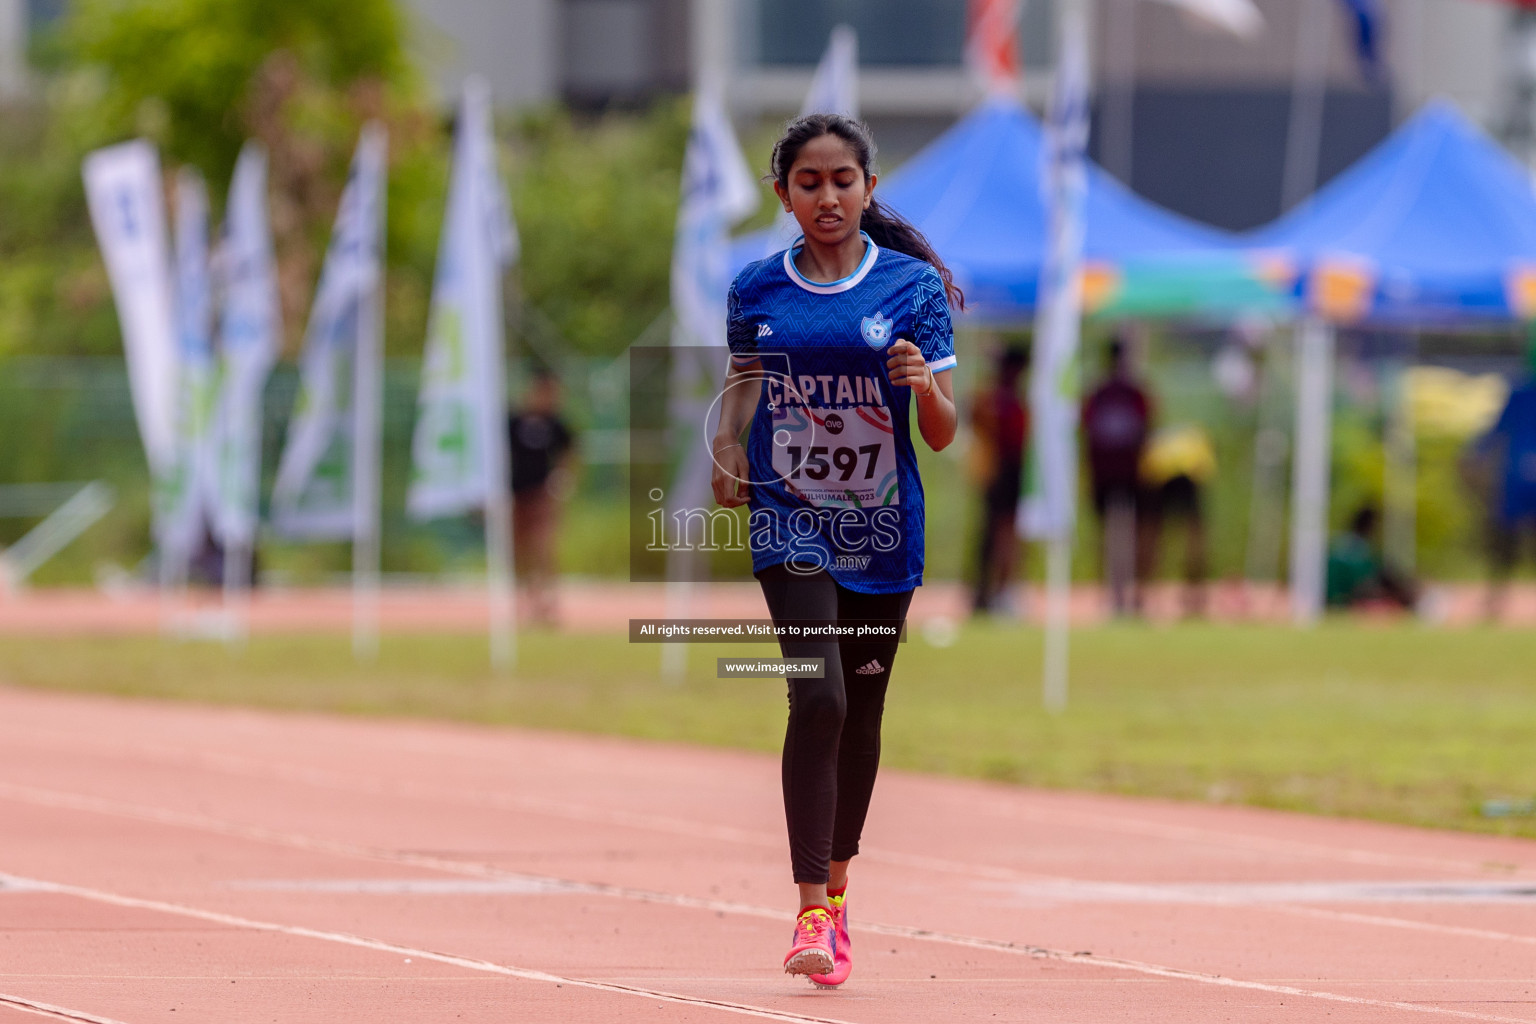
(1193, 118)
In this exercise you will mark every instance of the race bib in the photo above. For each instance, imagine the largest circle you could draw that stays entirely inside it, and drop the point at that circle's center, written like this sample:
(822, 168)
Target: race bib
(837, 457)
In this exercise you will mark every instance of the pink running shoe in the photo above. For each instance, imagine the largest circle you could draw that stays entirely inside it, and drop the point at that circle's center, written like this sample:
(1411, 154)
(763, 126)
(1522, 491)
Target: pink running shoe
(814, 941)
(842, 946)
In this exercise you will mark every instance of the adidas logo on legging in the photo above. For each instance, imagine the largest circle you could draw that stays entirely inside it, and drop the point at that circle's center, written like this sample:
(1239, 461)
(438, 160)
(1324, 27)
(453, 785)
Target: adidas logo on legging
(874, 668)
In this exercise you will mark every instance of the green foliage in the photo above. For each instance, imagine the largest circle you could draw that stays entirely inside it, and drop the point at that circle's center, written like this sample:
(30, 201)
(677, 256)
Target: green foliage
(200, 77)
(595, 201)
(187, 70)
(595, 205)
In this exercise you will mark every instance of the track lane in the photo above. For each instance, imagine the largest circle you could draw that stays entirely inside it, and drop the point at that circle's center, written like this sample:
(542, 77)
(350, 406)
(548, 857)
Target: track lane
(646, 802)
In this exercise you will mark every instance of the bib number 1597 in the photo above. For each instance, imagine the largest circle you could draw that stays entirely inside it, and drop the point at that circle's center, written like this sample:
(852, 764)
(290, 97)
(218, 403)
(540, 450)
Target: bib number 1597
(815, 465)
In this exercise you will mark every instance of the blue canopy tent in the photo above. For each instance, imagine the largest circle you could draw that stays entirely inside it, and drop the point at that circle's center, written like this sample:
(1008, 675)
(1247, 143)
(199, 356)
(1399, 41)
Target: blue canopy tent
(1436, 225)
(976, 193)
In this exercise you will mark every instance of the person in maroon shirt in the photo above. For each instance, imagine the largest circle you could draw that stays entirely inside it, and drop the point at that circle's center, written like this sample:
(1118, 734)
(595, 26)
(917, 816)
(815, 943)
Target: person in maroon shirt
(999, 424)
(1117, 420)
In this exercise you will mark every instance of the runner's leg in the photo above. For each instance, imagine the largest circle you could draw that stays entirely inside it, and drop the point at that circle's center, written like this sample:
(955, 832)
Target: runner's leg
(866, 668)
(816, 712)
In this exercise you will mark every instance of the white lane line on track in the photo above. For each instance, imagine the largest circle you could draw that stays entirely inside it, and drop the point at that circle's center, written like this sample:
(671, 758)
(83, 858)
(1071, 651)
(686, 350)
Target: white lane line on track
(993, 945)
(1120, 824)
(722, 906)
(252, 768)
(474, 869)
(1208, 837)
(52, 1012)
(1406, 923)
(379, 945)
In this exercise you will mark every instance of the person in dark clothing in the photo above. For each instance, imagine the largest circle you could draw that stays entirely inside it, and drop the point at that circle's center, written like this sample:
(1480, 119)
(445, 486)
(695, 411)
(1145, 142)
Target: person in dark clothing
(1117, 419)
(1358, 575)
(999, 425)
(540, 445)
(1176, 472)
(1509, 452)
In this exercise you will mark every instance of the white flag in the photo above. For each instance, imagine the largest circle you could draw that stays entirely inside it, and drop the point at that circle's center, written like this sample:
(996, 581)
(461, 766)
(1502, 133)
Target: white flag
(316, 494)
(834, 90)
(250, 336)
(459, 452)
(718, 191)
(123, 191)
(187, 495)
(835, 86)
(1054, 387)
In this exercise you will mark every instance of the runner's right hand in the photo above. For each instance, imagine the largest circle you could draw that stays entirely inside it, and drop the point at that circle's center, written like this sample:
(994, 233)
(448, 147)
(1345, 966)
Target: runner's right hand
(730, 475)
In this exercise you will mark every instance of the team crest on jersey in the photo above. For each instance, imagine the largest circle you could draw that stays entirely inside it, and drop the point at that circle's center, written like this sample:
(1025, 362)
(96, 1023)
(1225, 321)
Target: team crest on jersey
(876, 330)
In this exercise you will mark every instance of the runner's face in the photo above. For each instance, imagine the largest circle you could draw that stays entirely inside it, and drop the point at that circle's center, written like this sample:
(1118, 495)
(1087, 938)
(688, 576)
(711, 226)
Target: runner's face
(827, 190)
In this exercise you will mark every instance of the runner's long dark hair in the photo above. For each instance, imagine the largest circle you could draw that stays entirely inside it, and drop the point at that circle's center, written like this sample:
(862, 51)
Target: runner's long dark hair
(888, 229)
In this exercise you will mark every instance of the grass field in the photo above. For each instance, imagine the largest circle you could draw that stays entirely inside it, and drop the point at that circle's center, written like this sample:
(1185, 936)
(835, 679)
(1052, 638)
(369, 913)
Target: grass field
(1393, 722)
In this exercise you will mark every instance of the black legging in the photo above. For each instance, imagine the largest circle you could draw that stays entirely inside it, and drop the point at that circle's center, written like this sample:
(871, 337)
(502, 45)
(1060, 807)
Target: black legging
(832, 745)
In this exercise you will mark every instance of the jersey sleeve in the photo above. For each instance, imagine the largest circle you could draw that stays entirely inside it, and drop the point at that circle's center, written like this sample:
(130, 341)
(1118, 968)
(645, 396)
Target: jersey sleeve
(935, 334)
(739, 334)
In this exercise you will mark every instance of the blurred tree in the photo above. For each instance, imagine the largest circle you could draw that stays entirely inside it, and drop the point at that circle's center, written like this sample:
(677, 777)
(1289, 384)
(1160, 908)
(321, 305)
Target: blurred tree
(200, 77)
(595, 204)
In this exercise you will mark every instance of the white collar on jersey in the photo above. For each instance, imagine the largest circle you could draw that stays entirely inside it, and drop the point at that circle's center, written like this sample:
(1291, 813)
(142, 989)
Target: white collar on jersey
(842, 284)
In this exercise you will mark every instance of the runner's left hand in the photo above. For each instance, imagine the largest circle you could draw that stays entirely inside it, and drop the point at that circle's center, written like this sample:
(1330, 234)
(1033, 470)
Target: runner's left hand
(908, 367)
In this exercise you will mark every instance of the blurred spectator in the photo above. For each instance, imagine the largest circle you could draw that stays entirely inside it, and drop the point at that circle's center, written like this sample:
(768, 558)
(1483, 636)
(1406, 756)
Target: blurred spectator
(999, 426)
(208, 563)
(1358, 575)
(1178, 464)
(540, 445)
(1117, 417)
(1504, 462)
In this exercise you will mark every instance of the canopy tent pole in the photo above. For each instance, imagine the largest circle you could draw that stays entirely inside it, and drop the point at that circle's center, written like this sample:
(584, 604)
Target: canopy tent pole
(1309, 470)
(1266, 516)
(1400, 485)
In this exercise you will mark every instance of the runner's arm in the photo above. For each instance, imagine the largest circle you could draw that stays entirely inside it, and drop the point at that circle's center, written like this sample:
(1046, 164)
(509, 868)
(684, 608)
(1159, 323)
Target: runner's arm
(936, 416)
(738, 402)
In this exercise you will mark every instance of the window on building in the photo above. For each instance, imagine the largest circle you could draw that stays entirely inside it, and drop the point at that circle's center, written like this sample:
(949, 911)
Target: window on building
(891, 32)
(607, 47)
(43, 13)
(911, 33)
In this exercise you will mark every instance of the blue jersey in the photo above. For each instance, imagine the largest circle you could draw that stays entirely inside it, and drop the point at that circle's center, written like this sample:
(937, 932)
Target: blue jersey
(834, 476)
(1516, 431)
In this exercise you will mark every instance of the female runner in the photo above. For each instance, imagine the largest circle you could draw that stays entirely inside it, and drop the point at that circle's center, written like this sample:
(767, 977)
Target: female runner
(830, 342)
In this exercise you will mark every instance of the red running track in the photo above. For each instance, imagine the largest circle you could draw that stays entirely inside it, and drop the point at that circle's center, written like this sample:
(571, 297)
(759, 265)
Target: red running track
(167, 862)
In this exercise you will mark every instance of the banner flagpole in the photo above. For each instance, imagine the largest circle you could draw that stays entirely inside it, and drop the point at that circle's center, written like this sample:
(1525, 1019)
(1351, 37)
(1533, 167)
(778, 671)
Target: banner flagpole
(1053, 393)
(250, 335)
(459, 453)
(368, 442)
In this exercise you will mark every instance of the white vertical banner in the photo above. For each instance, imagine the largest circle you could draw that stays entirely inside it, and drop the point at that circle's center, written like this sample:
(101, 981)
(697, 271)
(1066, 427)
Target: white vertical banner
(250, 337)
(834, 90)
(835, 86)
(717, 191)
(328, 478)
(1051, 509)
(124, 193)
(314, 497)
(459, 451)
(186, 499)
